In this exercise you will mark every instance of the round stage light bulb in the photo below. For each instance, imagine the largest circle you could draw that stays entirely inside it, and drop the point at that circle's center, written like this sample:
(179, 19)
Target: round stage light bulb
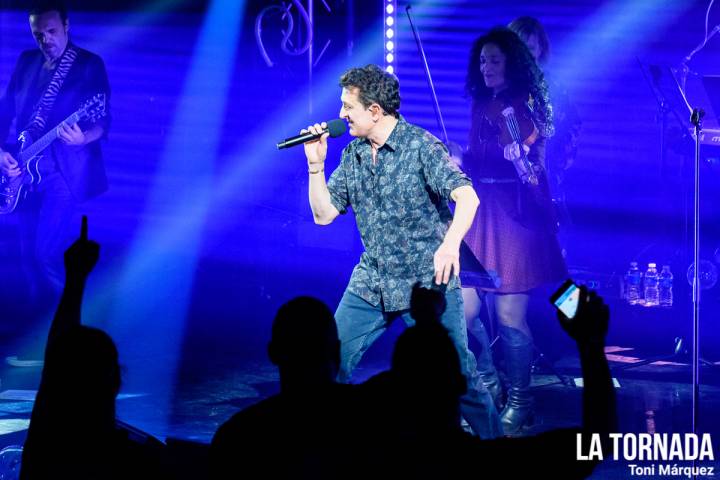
(390, 45)
(389, 9)
(390, 69)
(708, 274)
(390, 58)
(389, 21)
(390, 33)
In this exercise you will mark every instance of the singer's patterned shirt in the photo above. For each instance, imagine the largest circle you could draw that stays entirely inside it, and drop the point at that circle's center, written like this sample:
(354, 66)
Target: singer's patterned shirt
(401, 209)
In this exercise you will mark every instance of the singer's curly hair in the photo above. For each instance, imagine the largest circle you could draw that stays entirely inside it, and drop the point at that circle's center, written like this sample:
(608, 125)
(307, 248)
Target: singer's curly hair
(374, 86)
(522, 73)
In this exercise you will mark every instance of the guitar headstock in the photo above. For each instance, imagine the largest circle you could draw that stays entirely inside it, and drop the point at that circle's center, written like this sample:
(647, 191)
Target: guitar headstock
(94, 108)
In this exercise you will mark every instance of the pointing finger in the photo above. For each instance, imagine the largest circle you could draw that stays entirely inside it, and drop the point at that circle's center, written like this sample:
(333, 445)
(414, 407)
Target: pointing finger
(84, 228)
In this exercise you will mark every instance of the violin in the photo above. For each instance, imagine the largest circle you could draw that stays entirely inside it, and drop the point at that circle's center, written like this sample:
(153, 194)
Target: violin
(515, 123)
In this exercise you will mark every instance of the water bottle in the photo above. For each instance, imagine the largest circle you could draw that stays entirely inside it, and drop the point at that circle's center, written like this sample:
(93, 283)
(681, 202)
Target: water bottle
(665, 287)
(651, 286)
(632, 284)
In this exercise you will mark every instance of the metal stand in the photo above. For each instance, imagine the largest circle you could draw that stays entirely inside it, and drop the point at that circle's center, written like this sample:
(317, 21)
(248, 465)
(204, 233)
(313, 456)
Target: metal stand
(696, 121)
(678, 99)
(670, 100)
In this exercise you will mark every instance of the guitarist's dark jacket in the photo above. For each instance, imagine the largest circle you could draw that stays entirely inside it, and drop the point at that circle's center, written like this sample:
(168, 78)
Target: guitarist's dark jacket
(82, 168)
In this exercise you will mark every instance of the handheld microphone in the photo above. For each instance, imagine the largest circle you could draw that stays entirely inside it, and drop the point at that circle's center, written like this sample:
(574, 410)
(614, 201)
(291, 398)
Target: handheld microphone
(336, 128)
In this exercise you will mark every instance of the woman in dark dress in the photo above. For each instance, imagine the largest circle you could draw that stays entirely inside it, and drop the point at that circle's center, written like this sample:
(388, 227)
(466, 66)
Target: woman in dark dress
(514, 233)
(562, 148)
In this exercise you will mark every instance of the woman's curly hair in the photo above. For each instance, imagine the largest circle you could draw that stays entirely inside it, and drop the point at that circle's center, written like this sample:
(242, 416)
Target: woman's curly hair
(374, 86)
(522, 73)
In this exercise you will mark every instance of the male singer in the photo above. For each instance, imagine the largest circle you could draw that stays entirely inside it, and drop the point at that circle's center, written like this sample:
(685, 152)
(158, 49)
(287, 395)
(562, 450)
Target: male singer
(398, 178)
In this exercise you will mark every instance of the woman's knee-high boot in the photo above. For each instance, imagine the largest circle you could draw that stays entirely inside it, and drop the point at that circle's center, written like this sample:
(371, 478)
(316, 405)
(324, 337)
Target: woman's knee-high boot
(519, 407)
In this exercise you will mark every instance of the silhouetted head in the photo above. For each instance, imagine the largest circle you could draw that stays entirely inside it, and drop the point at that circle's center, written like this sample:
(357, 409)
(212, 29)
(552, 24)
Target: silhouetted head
(426, 365)
(82, 374)
(305, 337)
(426, 305)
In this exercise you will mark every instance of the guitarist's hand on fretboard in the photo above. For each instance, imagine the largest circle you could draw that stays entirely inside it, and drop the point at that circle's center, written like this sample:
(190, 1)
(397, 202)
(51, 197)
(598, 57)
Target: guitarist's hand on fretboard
(72, 136)
(8, 165)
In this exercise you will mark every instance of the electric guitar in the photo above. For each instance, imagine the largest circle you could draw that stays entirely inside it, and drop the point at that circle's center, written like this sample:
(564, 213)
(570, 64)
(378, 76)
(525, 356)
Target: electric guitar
(14, 189)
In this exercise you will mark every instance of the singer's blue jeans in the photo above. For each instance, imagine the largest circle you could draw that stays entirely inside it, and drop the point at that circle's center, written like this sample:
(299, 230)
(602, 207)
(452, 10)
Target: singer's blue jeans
(361, 323)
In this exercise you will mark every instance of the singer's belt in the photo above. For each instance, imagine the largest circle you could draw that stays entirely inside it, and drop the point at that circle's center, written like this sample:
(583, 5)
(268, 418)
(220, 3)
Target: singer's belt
(495, 180)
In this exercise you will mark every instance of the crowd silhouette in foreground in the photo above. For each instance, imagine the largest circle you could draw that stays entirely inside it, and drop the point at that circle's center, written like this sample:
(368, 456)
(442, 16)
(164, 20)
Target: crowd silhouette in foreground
(402, 423)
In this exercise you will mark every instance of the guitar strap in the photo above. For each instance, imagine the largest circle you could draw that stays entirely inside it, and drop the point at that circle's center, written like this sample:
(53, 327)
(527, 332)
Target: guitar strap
(47, 100)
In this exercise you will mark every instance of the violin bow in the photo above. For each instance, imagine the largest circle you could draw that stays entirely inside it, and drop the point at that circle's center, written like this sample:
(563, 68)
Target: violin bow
(436, 104)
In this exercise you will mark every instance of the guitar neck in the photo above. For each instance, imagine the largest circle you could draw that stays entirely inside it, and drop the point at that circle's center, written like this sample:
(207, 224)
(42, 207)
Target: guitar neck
(43, 142)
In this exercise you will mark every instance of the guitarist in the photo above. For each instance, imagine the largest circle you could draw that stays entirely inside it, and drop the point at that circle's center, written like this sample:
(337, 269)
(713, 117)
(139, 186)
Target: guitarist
(47, 85)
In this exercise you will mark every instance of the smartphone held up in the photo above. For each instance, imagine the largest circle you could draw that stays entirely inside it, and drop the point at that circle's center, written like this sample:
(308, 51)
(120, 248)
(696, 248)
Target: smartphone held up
(566, 298)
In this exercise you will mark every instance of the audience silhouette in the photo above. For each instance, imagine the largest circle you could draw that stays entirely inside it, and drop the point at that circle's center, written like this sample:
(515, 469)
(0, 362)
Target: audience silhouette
(299, 432)
(418, 416)
(401, 423)
(73, 431)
